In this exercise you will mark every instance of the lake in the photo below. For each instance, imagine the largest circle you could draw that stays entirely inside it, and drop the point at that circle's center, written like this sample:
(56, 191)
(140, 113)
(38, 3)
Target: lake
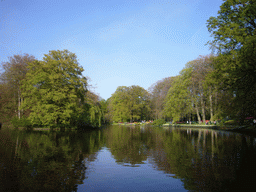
(120, 158)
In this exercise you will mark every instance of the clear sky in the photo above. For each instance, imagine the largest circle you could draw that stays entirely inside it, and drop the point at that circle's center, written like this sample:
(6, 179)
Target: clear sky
(118, 42)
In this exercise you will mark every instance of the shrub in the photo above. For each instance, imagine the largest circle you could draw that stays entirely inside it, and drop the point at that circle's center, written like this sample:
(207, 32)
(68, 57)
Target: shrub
(158, 122)
(22, 122)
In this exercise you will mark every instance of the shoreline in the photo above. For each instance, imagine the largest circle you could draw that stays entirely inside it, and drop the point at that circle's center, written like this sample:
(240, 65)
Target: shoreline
(245, 129)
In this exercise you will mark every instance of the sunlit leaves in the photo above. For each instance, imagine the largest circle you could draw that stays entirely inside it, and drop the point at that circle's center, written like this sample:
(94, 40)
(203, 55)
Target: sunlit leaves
(234, 38)
(53, 88)
(129, 103)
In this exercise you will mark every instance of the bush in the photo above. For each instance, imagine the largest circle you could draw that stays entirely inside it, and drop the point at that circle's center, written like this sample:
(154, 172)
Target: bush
(22, 122)
(158, 122)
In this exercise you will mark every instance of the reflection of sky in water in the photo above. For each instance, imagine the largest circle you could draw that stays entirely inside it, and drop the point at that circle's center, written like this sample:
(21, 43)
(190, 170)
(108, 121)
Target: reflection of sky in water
(104, 174)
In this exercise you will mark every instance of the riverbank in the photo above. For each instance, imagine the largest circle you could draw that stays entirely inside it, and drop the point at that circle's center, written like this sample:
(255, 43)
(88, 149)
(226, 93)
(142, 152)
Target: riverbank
(10, 127)
(192, 125)
(245, 129)
(239, 129)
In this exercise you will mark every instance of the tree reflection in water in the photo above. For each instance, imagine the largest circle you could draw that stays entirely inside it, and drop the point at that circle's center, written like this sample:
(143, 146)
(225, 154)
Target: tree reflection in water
(47, 161)
(204, 160)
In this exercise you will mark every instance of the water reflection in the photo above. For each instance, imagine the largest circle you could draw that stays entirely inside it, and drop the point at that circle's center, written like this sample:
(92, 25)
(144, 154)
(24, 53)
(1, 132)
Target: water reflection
(205, 160)
(45, 161)
(129, 158)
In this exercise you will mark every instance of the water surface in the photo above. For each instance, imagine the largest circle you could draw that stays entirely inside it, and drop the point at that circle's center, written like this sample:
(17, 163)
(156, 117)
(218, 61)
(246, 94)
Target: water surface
(118, 158)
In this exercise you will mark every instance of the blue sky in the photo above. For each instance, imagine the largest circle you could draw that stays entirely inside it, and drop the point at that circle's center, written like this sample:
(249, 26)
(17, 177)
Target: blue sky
(118, 43)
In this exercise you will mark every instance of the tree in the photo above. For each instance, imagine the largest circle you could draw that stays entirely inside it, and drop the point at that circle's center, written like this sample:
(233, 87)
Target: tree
(118, 107)
(194, 92)
(15, 70)
(95, 109)
(54, 89)
(201, 92)
(129, 104)
(139, 103)
(158, 92)
(177, 102)
(234, 38)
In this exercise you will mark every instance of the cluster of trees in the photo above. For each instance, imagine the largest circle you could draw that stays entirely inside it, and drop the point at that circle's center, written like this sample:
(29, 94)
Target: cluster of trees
(235, 41)
(128, 104)
(213, 86)
(194, 95)
(52, 92)
(222, 84)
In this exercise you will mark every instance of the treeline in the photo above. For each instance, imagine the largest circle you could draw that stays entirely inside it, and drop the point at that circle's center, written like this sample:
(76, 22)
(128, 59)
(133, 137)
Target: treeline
(192, 95)
(210, 87)
(49, 93)
(53, 92)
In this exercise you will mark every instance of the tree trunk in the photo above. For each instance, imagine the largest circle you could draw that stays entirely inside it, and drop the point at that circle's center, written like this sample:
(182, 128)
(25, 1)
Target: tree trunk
(197, 113)
(211, 109)
(215, 105)
(19, 100)
(203, 107)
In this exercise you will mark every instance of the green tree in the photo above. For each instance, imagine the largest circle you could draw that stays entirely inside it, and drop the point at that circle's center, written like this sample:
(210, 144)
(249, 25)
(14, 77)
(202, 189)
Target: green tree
(234, 38)
(118, 107)
(158, 92)
(14, 71)
(201, 91)
(129, 104)
(178, 102)
(96, 113)
(139, 103)
(54, 89)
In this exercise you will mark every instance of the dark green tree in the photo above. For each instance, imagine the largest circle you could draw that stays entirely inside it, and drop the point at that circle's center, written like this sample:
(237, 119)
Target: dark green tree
(234, 39)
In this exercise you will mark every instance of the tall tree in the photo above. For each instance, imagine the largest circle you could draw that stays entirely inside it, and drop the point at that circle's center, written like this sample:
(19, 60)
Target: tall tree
(139, 103)
(14, 71)
(193, 92)
(158, 92)
(118, 105)
(234, 38)
(54, 89)
(177, 102)
(201, 93)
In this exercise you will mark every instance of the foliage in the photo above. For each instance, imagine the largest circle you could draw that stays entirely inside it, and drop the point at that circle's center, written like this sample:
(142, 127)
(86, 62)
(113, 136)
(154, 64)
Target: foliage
(234, 38)
(54, 89)
(95, 110)
(22, 122)
(158, 122)
(14, 71)
(129, 104)
(158, 92)
(177, 100)
(195, 93)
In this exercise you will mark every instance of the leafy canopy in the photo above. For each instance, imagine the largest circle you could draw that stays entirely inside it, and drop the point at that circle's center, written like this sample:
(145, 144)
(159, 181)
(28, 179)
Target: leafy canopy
(54, 89)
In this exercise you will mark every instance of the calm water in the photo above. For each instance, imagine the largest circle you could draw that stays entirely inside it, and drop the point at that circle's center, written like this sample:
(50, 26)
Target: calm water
(127, 159)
